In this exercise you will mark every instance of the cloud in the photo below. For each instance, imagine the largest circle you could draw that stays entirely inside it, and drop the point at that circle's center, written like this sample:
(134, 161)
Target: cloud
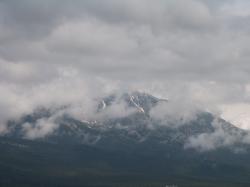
(118, 109)
(124, 40)
(41, 129)
(221, 137)
(194, 52)
(67, 90)
(175, 113)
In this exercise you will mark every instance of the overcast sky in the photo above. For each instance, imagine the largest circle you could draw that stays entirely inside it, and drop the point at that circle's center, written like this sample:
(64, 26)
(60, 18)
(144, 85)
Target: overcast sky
(61, 51)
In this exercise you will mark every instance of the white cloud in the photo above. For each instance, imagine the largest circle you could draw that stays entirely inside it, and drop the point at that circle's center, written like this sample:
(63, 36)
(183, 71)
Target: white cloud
(237, 114)
(221, 137)
(175, 113)
(41, 129)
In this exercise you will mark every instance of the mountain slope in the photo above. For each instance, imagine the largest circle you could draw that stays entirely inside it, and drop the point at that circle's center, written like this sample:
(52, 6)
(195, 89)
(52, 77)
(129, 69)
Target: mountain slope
(34, 163)
(114, 150)
(137, 126)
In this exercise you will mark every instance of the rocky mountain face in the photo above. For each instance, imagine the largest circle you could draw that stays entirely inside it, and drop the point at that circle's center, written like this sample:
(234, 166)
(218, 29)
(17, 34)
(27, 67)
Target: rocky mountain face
(114, 149)
(136, 127)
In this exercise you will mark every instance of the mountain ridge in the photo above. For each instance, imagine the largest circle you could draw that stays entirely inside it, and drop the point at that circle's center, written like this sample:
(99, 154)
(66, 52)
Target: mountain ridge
(129, 150)
(137, 126)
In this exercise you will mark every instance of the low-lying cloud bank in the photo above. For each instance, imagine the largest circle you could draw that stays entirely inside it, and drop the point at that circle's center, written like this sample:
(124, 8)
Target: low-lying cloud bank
(71, 95)
(220, 138)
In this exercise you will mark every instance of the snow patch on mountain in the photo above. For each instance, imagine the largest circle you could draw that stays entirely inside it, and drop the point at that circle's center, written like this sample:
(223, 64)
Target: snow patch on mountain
(136, 105)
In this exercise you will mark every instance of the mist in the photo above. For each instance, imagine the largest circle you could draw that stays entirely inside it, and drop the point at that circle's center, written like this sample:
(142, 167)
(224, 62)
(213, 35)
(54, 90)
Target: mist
(56, 54)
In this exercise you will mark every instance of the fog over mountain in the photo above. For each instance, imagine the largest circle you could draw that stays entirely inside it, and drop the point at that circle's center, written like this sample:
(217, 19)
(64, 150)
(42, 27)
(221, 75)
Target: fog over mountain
(59, 53)
(124, 93)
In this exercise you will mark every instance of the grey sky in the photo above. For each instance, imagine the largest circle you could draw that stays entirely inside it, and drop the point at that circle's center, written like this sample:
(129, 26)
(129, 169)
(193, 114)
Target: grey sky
(56, 49)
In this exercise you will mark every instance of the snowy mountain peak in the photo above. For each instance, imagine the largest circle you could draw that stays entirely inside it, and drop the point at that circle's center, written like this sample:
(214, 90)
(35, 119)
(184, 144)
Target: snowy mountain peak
(143, 102)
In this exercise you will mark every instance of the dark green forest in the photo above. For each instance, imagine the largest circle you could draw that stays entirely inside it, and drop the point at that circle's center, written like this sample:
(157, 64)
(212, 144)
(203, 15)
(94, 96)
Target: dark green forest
(26, 163)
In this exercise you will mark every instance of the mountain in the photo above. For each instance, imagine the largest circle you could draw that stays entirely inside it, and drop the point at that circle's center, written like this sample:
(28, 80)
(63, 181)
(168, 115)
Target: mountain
(115, 130)
(121, 150)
